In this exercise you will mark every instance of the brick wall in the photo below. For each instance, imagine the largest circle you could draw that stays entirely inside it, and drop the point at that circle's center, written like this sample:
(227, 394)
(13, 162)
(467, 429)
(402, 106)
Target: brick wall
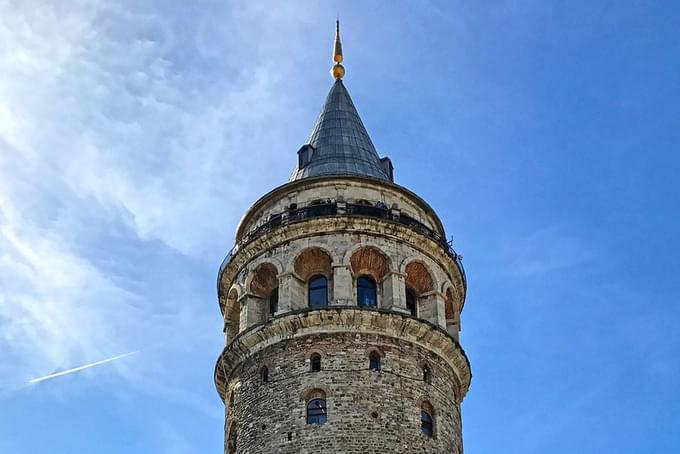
(368, 411)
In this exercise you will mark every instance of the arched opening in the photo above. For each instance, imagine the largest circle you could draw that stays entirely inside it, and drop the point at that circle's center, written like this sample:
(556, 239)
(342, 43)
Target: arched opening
(311, 262)
(371, 266)
(316, 408)
(419, 284)
(374, 361)
(274, 302)
(317, 291)
(419, 278)
(427, 419)
(232, 316)
(265, 286)
(370, 261)
(366, 292)
(313, 266)
(315, 362)
(412, 302)
(451, 314)
(264, 374)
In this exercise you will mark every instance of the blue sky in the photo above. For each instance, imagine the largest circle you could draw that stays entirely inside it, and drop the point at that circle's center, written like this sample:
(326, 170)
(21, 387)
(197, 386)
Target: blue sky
(133, 135)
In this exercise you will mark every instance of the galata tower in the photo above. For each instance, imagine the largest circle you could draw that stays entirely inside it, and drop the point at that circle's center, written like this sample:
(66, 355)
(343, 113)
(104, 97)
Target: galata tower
(341, 301)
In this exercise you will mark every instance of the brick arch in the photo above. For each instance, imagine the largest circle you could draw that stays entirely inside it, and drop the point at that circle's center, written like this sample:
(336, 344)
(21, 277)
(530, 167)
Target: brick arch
(449, 304)
(263, 280)
(419, 278)
(425, 403)
(312, 261)
(370, 261)
(316, 391)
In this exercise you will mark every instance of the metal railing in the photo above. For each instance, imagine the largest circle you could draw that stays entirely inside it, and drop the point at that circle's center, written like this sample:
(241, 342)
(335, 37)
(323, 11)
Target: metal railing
(344, 209)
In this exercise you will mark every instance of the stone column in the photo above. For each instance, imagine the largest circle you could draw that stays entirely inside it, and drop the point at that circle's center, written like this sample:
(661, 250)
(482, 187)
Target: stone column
(453, 326)
(431, 308)
(394, 292)
(343, 290)
(291, 293)
(243, 314)
(255, 310)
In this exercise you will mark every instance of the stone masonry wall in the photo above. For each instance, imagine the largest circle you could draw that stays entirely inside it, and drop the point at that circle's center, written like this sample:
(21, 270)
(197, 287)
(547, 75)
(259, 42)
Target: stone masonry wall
(368, 411)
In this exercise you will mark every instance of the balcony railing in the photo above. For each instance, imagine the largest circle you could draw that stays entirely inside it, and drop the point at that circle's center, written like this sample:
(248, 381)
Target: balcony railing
(379, 211)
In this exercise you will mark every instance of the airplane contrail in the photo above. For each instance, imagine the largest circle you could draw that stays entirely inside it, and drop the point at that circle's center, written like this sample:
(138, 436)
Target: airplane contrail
(76, 369)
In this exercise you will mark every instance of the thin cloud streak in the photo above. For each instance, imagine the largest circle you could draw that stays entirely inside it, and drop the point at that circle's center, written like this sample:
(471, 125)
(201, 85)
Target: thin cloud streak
(79, 368)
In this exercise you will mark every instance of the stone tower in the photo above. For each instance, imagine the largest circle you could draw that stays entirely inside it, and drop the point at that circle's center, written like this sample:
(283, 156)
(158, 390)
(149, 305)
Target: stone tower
(341, 303)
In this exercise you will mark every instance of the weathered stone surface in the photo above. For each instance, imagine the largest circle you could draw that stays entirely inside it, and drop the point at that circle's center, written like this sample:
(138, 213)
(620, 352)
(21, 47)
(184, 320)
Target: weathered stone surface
(368, 411)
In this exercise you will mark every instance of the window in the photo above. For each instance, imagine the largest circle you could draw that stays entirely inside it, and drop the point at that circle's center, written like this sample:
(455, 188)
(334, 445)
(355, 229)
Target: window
(318, 291)
(304, 155)
(315, 362)
(366, 295)
(411, 302)
(274, 301)
(427, 375)
(264, 374)
(374, 361)
(426, 421)
(316, 411)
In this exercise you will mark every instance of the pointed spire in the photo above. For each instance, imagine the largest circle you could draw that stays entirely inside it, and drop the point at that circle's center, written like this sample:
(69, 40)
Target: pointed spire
(337, 71)
(339, 143)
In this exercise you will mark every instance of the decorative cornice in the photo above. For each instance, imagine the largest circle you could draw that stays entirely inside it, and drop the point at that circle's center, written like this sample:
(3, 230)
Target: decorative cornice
(343, 319)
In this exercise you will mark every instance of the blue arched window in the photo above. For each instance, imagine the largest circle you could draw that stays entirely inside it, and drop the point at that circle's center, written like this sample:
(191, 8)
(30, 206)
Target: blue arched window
(366, 294)
(316, 411)
(412, 302)
(274, 301)
(374, 361)
(426, 422)
(318, 291)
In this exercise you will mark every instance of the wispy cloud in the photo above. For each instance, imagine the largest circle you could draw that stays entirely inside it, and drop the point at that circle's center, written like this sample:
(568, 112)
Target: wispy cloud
(112, 134)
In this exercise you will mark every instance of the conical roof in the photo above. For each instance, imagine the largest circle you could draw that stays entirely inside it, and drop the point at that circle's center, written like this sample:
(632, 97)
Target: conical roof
(341, 145)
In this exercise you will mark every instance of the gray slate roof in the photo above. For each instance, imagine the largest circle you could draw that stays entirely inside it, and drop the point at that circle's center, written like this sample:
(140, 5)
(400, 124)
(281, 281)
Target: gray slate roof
(341, 143)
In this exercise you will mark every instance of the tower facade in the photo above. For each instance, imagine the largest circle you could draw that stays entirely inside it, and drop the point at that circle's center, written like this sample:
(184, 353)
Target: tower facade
(341, 301)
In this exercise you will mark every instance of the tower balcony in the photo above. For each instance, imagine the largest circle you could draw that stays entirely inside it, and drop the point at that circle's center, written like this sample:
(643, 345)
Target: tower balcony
(330, 208)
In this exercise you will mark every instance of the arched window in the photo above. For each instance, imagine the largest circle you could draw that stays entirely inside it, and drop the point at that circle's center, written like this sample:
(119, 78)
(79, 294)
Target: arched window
(366, 294)
(315, 362)
(274, 301)
(374, 361)
(427, 375)
(316, 411)
(264, 374)
(318, 291)
(426, 420)
(411, 302)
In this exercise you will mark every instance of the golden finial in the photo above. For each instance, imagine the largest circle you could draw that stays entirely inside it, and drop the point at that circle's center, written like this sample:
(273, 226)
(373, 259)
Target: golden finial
(338, 71)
